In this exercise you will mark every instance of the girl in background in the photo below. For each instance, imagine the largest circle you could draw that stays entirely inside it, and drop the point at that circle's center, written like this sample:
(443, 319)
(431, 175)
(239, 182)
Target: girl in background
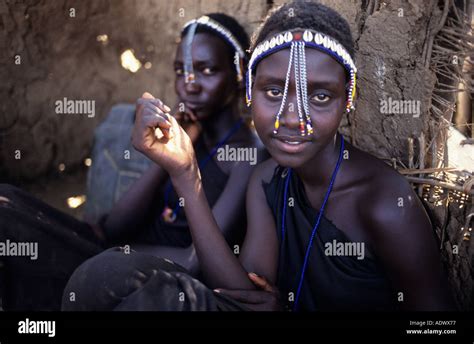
(209, 66)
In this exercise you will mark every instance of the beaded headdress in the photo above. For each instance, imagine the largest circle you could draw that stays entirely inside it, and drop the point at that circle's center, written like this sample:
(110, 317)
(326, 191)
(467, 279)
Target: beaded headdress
(298, 40)
(239, 55)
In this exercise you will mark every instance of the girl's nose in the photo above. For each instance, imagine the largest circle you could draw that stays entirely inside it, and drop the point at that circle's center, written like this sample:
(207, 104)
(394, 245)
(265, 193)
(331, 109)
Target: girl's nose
(193, 87)
(289, 117)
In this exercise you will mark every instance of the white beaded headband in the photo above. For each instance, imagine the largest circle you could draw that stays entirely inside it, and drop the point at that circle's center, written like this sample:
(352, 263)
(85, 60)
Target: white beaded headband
(298, 40)
(225, 34)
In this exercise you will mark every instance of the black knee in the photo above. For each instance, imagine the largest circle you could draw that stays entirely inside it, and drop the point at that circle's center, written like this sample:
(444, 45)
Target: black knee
(118, 279)
(8, 192)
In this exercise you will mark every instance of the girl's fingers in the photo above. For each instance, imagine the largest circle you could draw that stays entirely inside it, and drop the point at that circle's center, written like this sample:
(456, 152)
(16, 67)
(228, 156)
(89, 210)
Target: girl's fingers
(181, 117)
(245, 296)
(159, 134)
(160, 126)
(189, 115)
(161, 105)
(260, 282)
(192, 116)
(173, 121)
(147, 98)
(152, 120)
(147, 95)
(153, 108)
(159, 121)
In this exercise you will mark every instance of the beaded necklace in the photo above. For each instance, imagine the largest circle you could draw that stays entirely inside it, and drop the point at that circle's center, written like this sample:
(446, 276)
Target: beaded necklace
(318, 220)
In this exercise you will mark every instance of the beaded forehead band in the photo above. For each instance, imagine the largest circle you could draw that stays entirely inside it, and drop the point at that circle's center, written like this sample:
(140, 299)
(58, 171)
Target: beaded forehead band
(239, 55)
(298, 40)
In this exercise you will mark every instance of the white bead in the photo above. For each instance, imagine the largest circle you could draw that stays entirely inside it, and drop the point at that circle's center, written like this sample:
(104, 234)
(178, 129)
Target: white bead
(280, 39)
(329, 44)
(325, 41)
(272, 42)
(308, 36)
(318, 38)
(266, 46)
(344, 56)
(332, 45)
(288, 37)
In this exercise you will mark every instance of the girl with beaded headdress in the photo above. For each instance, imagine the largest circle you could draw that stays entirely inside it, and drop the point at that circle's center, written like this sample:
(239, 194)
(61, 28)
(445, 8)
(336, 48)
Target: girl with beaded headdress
(326, 228)
(209, 68)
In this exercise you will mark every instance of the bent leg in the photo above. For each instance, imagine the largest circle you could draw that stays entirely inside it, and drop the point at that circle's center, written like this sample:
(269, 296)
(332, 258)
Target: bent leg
(133, 281)
(62, 243)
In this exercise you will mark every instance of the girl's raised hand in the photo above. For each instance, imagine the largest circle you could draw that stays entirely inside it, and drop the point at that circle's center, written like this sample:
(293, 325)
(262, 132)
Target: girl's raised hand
(188, 121)
(158, 135)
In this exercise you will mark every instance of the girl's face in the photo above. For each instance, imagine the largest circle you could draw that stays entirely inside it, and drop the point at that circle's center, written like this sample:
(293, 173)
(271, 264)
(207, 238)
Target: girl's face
(326, 99)
(215, 85)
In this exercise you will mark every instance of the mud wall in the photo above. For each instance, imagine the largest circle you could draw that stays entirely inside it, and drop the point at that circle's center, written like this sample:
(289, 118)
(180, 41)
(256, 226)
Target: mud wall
(51, 50)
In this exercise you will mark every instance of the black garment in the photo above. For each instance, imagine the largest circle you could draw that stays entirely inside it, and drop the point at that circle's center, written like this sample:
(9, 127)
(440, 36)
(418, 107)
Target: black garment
(63, 243)
(159, 232)
(117, 280)
(331, 283)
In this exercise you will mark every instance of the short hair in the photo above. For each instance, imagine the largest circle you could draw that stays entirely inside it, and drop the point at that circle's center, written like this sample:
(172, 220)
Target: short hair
(306, 15)
(233, 26)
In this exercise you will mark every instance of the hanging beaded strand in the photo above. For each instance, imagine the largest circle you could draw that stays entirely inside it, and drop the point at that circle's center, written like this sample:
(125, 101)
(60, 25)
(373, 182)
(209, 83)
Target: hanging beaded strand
(285, 91)
(304, 83)
(224, 33)
(351, 91)
(297, 59)
(311, 39)
(298, 86)
(189, 76)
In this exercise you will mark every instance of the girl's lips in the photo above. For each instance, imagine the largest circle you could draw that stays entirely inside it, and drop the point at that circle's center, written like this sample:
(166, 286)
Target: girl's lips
(291, 145)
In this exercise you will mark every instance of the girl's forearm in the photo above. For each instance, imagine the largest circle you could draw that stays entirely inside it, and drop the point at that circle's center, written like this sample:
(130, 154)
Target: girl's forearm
(219, 265)
(134, 204)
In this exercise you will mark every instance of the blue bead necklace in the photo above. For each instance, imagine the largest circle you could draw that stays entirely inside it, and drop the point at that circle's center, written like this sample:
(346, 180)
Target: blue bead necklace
(318, 220)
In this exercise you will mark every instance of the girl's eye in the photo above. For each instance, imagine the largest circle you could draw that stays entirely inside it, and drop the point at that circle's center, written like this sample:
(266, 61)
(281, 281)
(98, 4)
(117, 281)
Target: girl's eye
(274, 93)
(179, 71)
(321, 98)
(208, 71)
